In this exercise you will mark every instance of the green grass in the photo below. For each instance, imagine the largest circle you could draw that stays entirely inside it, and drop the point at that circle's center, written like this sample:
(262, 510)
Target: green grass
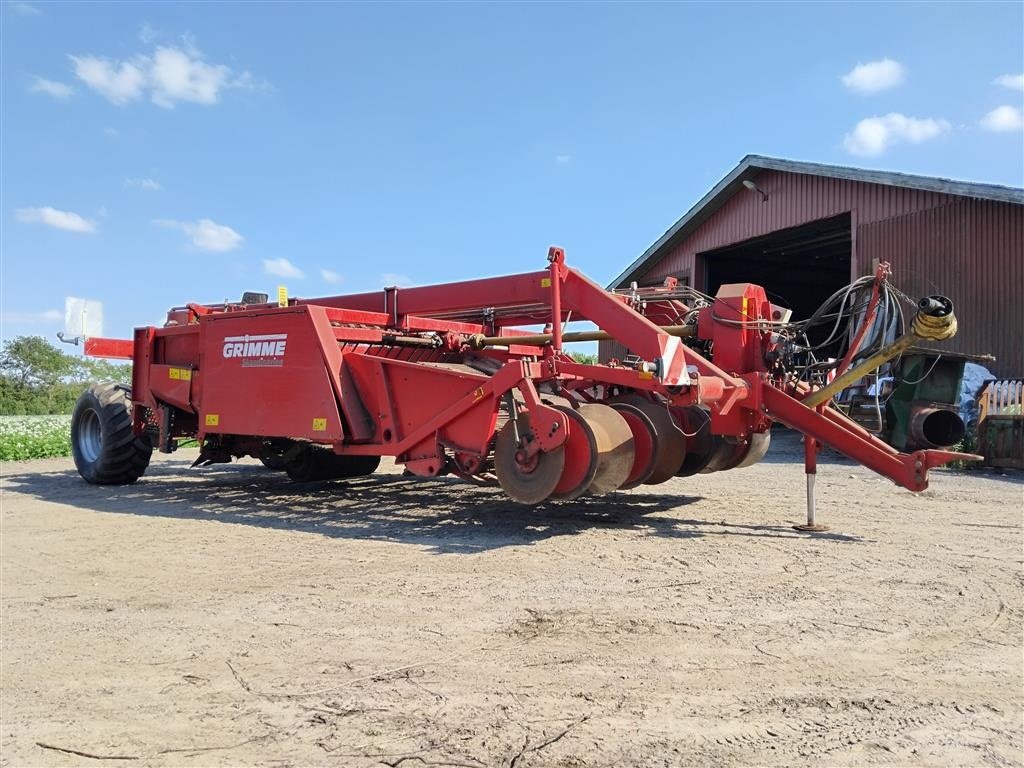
(34, 437)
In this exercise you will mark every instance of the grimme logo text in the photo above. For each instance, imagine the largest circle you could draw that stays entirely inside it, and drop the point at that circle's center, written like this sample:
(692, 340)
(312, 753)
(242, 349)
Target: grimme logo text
(269, 345)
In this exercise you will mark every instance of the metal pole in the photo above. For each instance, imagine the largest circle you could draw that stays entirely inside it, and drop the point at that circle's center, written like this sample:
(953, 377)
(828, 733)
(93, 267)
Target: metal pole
(811, 470)
(513, 414)
(542, 339)
(811, 476)
(556, 301)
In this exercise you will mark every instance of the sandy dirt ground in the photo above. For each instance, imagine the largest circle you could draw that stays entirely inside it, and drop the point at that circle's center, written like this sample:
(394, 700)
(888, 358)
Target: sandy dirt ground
(227, 616)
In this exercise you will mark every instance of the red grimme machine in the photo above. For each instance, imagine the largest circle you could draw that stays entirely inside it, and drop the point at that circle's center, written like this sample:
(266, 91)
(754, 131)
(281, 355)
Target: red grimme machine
(445, 379)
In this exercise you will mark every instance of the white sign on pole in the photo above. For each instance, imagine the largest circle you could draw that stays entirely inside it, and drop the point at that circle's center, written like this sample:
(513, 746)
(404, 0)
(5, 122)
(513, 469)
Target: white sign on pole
(82, 317)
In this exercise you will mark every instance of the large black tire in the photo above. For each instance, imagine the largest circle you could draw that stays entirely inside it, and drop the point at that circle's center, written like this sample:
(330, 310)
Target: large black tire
(106, 450)
(319, 463)
(275, 463)
(273, 454)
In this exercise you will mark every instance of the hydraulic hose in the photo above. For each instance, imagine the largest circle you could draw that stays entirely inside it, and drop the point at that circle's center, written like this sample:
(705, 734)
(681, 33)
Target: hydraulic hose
(934, 321)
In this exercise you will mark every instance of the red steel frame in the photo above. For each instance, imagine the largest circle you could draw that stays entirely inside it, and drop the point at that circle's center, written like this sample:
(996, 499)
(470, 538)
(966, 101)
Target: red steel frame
(384, 373)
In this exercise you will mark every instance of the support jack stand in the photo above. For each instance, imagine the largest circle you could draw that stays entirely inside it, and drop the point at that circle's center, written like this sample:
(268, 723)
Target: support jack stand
(811, 469)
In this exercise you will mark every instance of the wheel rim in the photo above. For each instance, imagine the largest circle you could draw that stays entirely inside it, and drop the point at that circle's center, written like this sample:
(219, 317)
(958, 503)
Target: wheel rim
(90, 436)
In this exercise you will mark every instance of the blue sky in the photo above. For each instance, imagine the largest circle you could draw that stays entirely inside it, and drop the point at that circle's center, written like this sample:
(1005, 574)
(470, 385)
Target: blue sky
(155, 154)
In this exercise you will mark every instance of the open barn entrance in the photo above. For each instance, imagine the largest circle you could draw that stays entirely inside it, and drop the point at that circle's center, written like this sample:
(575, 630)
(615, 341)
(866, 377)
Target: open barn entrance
(799, 267)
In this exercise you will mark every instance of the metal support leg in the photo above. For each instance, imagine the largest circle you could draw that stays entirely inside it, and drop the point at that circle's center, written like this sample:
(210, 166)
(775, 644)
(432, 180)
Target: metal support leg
(556, 257)
(811, 469)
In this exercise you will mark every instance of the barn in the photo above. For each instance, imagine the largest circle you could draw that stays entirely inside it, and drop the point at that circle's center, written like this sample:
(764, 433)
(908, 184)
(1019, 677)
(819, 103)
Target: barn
(803, 230)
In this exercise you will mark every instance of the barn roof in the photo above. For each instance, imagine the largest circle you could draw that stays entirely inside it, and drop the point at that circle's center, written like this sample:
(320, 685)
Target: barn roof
(751, 165)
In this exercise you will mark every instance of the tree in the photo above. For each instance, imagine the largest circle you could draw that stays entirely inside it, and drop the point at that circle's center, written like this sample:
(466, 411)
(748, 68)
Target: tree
(584, 358)
(93, 369)
(38, 378)
(32, 361)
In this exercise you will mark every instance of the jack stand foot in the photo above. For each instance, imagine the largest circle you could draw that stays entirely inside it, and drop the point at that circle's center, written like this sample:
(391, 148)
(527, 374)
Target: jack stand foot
(811, 527)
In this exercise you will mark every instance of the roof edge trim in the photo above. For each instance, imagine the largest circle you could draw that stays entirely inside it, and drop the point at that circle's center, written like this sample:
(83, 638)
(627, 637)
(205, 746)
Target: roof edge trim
(751, 165)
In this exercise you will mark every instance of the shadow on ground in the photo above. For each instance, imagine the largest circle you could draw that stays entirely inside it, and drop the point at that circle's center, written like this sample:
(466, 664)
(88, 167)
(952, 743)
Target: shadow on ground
(445, 516)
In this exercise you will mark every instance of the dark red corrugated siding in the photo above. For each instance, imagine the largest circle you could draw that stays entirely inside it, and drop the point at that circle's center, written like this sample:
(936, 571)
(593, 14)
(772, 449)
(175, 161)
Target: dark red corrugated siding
(972, 250)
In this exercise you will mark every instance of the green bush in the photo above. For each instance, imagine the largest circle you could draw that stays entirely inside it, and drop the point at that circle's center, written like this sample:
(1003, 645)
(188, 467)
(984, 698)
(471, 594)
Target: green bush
(968, 445)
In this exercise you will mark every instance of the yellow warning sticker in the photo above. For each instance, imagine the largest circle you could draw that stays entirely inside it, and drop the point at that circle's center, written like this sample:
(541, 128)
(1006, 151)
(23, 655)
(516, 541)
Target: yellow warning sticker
(213, 419)
(545, 282)
(319, 425)
(282, 296)
(478, 393)
(180, 374)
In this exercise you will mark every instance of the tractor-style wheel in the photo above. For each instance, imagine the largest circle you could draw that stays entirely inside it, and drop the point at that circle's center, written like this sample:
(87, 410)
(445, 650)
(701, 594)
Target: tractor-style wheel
(274, 463)
(319, 463)
(272, 455)
(105, 448)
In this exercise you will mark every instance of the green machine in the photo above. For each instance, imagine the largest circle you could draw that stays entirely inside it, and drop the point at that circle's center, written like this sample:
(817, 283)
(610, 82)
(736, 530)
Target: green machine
(923, 410)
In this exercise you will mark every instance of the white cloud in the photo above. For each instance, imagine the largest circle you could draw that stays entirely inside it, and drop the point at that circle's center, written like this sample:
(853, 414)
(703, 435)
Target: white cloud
(207, 235)
(874, 76)
(25, 9)
(874, 135)
(1014, 82)
(51, 88)
(563, 159)
(170, 75)
(147, 185)
(178, 76)
(330, 276)
(33, 318)
(51, 217)
(118, 83)
(247, 81)
(282, 268)
(389, 279)
(1003, 119)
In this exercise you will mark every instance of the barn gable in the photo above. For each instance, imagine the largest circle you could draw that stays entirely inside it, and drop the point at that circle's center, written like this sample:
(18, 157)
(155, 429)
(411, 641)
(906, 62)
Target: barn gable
(817, 227)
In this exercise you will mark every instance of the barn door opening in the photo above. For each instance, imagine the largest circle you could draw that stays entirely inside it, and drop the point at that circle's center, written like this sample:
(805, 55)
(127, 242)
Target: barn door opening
(799, 267)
